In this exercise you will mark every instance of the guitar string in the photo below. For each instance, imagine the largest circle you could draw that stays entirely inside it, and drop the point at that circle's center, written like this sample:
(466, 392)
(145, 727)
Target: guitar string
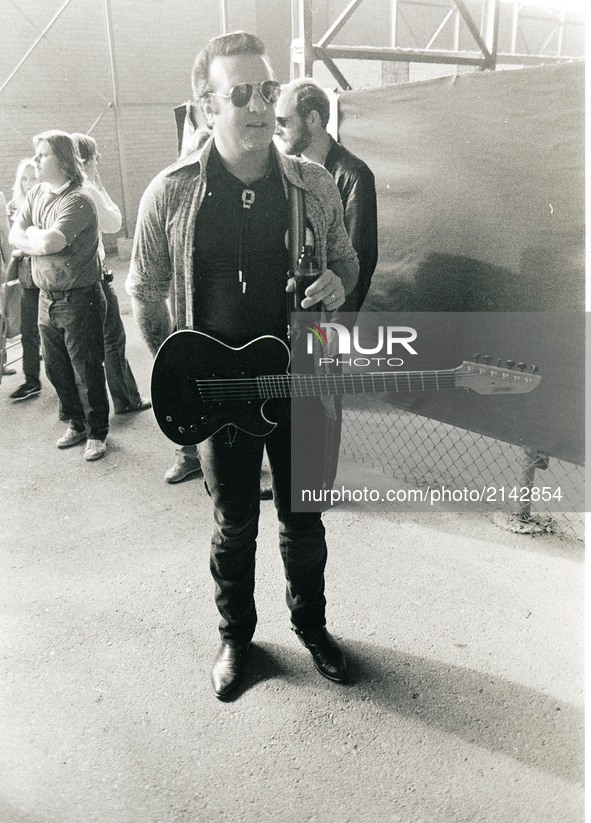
(269, 386)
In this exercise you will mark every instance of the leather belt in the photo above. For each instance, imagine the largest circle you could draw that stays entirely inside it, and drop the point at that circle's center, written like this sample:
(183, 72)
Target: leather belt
(62, 295)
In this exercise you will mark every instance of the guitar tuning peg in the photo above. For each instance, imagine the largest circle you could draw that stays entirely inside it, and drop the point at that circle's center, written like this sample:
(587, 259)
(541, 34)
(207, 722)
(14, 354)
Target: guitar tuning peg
(476, 357)
(487, 358)
(510, 364)
(499, 361)
(521, 366)
(533, 369)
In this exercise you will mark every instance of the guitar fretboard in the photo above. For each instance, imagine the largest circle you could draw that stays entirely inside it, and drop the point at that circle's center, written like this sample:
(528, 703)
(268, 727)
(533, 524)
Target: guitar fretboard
(313, 385)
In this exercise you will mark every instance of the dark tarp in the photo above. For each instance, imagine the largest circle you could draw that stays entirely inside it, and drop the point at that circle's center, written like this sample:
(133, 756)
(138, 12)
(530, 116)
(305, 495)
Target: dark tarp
(480, 183)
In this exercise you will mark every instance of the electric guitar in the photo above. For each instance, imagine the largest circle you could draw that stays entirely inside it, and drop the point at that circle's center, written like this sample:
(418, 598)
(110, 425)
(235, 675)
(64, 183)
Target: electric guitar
(200, 384)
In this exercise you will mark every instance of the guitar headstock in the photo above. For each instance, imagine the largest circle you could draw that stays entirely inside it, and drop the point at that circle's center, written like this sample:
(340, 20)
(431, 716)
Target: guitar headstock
(484, 378)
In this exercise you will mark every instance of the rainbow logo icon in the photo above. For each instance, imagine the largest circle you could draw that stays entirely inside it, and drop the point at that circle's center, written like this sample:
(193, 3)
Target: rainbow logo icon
(318, 333)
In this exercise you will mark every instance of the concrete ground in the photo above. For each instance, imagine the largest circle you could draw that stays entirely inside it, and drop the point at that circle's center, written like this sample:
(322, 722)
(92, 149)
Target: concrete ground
(465, 643)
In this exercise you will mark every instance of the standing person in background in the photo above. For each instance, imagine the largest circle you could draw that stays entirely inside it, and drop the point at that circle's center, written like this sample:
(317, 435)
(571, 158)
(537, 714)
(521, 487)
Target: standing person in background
(57, 226)
(4, 258)
(120, 380)
(302, 115)
(25, 180)
(186, 459)
(5, 249)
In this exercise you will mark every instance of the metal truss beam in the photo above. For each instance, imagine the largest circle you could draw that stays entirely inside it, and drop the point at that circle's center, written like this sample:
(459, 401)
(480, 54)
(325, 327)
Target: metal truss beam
(339, 23)
(464, 58)
(487, 58)
(30, 51)
(486, 55)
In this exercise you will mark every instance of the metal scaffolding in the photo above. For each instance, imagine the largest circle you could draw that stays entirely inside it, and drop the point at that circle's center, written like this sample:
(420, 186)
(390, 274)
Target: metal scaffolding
(455, 13)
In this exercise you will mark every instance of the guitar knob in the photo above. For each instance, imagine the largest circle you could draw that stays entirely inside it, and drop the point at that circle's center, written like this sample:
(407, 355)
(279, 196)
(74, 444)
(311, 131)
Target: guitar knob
(193, 427)
(487, 358)
(181, 429)
(510, 364)
(168, 418)
(521, 366)
(533, 369)
(476, 358)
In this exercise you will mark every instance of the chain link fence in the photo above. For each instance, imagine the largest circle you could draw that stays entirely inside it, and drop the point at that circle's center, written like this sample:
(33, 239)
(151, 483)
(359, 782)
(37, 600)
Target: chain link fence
(427, 453)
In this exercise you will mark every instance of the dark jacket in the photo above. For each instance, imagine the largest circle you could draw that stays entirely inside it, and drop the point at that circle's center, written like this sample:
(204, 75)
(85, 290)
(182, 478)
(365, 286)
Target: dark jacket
(356, 184)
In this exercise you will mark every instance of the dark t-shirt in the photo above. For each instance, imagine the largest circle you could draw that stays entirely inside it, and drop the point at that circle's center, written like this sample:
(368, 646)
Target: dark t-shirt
(74, 214)
(241, 258)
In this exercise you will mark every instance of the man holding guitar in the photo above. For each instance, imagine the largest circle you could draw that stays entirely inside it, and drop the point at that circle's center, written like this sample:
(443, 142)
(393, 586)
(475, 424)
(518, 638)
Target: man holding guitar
(216, 222)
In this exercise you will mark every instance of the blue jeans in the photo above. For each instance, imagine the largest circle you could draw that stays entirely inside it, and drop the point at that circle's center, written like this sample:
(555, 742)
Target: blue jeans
(120, 379)
(231, 463)
(72, 342)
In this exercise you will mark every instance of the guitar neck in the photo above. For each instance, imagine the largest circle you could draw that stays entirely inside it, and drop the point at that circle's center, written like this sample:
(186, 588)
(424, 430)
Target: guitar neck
(313, 385)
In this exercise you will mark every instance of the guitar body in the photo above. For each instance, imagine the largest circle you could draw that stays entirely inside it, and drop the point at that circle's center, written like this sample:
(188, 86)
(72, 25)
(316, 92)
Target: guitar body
(186, 409)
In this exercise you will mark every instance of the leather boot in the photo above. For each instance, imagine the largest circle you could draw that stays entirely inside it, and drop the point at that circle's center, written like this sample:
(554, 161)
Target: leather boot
(328, 658)
(228, 668)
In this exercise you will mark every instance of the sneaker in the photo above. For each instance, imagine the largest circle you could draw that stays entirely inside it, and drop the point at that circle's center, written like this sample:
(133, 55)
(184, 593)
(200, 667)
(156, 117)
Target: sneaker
(183, 467)
(95, 449)
(141, 405)
(70, 438)
(25, 391)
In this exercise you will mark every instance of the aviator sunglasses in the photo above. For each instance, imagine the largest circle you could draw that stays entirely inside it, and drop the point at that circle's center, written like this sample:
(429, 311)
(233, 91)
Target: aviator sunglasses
(241, 94)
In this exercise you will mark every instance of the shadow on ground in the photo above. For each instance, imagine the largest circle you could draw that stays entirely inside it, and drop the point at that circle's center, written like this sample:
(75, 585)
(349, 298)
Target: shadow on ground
(488, 711)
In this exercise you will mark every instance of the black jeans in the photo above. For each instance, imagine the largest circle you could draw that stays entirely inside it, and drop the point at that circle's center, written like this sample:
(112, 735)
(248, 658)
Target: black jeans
(120, 379)
(30, 334)
(72, 342)
(231, 463)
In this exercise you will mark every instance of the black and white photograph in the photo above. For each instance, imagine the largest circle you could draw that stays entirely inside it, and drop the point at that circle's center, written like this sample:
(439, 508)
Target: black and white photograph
(292, 411)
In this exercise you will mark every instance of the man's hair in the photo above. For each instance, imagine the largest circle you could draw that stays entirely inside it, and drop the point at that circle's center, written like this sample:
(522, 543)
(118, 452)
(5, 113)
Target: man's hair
(226, 45)
(18, 195)
(310, 97)
(66, 152)
(86, 145)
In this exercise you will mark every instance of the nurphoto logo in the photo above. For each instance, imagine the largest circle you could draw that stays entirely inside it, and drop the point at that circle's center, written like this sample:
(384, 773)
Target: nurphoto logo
(347, 343)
